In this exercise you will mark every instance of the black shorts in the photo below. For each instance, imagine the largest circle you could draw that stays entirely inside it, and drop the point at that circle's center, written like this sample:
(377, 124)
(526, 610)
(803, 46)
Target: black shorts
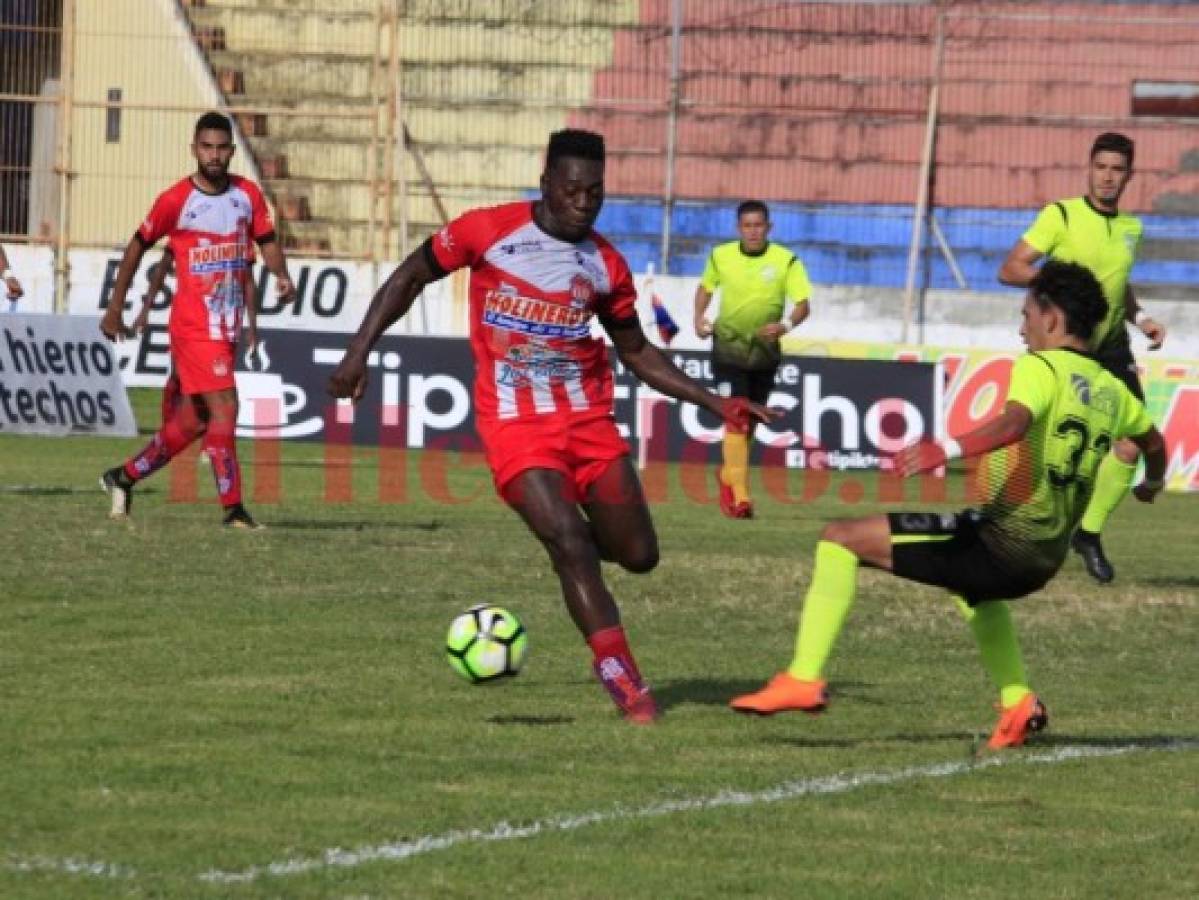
(1118, 361)
(754, 384)
(946, 550)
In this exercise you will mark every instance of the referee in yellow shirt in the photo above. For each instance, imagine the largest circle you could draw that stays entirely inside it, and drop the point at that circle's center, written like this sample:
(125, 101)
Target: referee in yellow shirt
(1094, 232)
(756, 279)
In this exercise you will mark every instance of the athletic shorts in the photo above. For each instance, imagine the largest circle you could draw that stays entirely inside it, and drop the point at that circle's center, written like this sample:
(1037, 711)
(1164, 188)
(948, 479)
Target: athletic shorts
(203, 366)
(946, 550)
(581, 449)
(1118, 361)
(754, 384)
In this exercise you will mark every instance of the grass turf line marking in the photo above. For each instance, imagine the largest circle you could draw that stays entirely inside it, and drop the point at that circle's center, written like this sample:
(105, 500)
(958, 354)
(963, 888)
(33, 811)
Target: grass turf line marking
(788, 790)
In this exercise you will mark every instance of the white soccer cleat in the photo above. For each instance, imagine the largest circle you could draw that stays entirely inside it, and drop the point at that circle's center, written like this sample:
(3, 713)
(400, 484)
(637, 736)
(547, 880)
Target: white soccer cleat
(121, 494)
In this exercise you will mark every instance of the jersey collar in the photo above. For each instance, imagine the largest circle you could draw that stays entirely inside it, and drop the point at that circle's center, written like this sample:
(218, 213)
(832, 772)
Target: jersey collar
(761, 252)
(225, 190)
(1099, 212)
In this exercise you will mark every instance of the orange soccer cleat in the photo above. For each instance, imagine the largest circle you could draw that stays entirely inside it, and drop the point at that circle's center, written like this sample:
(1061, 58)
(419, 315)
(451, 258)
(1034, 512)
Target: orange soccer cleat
(1018, 721)
(783, 693)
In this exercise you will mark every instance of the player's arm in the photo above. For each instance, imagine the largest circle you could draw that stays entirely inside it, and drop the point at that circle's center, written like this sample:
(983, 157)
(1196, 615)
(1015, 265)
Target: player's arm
(654, 368)
(113, 323)
(250, 292)
(1150, 327)
(1153, 446)
(703, 327)
(1020, 265)
(1006, 428)
(158, 277)
(390, 303)
(11, 285)
(276, 262)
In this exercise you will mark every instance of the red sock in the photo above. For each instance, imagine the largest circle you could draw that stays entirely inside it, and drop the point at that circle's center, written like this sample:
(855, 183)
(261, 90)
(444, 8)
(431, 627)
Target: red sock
(174, 436)
(612, 642)
(221, 447)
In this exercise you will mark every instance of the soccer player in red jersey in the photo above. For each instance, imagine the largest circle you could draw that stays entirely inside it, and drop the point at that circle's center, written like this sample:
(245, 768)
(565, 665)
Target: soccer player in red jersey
(209, 220)
(543, 384)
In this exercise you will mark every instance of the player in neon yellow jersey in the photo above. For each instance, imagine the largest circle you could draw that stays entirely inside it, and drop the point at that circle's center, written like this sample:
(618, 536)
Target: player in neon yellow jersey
(756, 279)
(1092, 231)
(1062, 414)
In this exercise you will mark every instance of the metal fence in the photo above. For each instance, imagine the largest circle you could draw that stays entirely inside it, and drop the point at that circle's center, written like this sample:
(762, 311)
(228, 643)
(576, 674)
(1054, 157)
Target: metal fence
(900, 143)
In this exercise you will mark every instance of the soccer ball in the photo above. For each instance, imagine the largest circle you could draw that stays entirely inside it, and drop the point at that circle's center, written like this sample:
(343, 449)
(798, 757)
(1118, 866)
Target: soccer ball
(486, 643)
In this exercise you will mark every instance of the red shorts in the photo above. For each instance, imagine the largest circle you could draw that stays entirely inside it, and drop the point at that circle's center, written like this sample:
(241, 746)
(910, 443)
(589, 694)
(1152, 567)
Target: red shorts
(203, 366)
(581, 449)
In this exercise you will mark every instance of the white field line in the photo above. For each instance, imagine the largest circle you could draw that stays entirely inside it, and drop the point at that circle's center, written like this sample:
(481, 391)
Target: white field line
(504, 831)
(788, 790)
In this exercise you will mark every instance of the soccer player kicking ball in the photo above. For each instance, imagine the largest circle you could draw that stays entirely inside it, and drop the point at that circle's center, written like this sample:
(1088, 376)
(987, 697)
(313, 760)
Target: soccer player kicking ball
(543, 384)
(208, 219)
(1062, 414)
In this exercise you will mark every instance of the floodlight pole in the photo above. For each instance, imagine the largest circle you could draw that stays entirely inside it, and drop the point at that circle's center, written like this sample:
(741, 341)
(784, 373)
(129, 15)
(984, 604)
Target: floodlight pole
(672, 127)
(926, 168)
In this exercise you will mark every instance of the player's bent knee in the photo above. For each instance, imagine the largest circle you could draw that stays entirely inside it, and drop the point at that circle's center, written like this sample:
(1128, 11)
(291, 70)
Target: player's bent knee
(838, 531)
(641, 559)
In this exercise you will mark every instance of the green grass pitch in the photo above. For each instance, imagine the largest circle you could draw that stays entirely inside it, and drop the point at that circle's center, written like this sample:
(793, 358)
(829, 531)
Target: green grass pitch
(192, 712)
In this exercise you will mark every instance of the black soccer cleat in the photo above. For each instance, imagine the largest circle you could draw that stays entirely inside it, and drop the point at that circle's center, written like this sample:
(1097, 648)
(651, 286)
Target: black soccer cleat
(236, 516)
(119, 487)
(1086, 544)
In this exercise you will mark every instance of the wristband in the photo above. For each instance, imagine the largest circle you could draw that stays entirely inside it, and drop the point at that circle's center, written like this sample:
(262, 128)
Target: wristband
(1140, 317)
(951, 448)
(6, 274)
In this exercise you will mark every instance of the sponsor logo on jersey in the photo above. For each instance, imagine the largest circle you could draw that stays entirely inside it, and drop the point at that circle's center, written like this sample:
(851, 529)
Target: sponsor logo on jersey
(220, 368)
(769, 273)
(208, 258)
(582, 292)
(1082, 389)
(512, 248)
(534, 317)
(526, 365)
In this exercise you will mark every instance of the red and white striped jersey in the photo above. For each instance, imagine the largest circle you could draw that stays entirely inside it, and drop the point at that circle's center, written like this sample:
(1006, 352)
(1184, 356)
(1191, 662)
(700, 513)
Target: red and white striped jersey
(210, 237)
(532, 299)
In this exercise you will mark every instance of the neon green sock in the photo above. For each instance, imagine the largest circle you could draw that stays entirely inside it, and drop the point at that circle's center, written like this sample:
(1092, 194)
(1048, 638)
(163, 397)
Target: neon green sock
(831, 593)
(996, 636)
(1112, 482)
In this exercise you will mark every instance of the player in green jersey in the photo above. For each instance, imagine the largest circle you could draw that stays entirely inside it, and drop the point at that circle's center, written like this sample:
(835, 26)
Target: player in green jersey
(1062, 414)
(1092, 231)
(756, 279)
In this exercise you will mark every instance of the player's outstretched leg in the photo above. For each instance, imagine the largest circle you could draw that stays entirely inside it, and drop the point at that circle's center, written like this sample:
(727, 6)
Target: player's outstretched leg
(220, 444)
(542, 498)
(1112, 483)
(1021, 712)
(167, 443)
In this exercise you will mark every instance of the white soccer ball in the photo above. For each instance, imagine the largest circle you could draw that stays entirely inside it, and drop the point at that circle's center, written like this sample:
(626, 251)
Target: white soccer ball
(486, 643)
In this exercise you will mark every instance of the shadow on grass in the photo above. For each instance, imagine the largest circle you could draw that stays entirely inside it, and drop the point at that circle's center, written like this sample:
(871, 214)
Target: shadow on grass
(717, 692)
(46, 490)
(352, 525)
(1139, 741)
(849, 743)
(531, 720)
(1175, 581)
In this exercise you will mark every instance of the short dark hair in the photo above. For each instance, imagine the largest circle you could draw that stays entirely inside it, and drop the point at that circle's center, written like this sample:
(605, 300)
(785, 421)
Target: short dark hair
(1114, 142)
(214, 120)
(752, 206)
(576, 143)
(1072, 289)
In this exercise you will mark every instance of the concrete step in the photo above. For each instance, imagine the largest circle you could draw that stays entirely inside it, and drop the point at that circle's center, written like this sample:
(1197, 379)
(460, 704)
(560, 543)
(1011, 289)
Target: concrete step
(349, 200)
(609, 13)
